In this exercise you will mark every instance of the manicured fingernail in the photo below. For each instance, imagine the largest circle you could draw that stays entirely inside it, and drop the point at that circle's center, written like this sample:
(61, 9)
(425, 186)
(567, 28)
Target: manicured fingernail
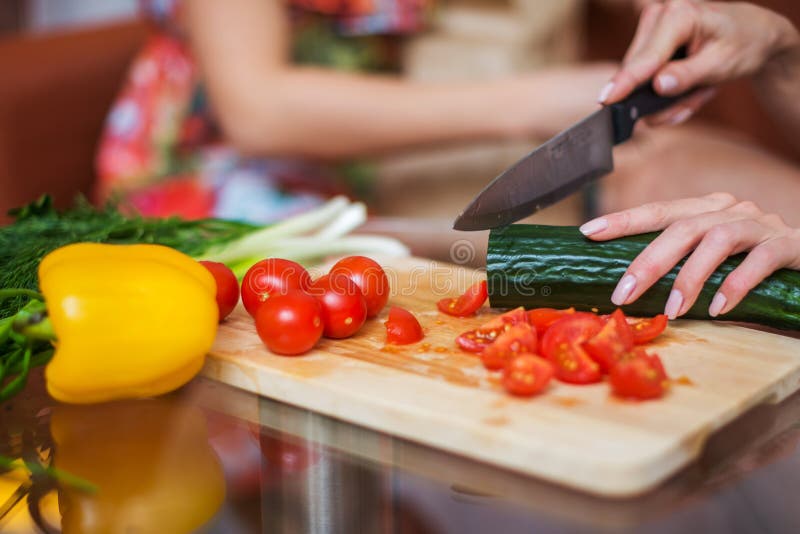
(594, 226)
(717, 303)
(667, 82)
(604, 94)
(674, 303)
(679, 117)
(624, 289)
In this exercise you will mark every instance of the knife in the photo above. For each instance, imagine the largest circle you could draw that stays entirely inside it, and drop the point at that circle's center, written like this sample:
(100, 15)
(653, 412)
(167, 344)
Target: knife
(563, 164)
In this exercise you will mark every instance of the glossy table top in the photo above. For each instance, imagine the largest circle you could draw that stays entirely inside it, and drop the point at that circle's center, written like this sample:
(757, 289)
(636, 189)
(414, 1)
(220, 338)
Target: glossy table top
(215, 459)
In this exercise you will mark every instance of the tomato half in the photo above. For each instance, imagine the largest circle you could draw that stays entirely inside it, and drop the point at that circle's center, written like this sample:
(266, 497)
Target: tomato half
(477, 340)
(290, 323)
(562, 345)
(526, 375)
(640, 376)
(370, 277)
(613, 341)
(227, 287)
(646, 330)
(543, 318)
(518, 339)
(344, 309)
(468, 303)
(273, 276)
(402, 328)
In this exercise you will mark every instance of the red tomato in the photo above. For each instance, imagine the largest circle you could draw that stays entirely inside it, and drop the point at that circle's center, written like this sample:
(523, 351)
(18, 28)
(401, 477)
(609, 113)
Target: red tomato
(526, 375)
(612, 342)
(640, 376)
(477, 340)
(344, 309)
(468, 303)
(370, 277)
(227, 287)
(518, 339)
(542, 318)
(562, 345)
(290, 323)
(402, 328)
(646, 330)
(273, 276)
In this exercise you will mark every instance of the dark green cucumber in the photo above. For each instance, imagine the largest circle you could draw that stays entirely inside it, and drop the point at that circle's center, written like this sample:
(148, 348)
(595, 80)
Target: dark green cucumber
(557, 267)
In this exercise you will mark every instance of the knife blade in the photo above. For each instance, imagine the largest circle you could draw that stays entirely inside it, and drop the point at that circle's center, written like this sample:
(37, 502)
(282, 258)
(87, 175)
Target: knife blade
(562, 165)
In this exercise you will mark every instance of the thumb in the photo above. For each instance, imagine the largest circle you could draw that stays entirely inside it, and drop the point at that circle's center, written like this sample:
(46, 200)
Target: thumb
(702, 68)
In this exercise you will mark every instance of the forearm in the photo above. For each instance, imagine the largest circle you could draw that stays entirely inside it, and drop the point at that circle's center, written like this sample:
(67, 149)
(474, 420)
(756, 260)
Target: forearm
(322, 113)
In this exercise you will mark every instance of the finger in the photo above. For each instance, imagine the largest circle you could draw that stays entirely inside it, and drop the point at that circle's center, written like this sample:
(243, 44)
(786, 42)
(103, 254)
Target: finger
(674, 27)
(644, 30)
(717, 244)
(702, 68)
(761, 262)
(683, 110)
(653, 216)
(647, 23)
(670, 247)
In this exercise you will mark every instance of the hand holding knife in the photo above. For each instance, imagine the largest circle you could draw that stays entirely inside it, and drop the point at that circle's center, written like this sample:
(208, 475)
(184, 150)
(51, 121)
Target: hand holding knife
(563, 164)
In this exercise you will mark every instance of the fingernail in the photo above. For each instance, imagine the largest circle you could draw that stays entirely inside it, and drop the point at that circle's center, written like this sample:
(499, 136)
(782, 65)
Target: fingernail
(717, 303)
(594, 226)
(674, 303)
(679, 117)
(667, 82)
(604, 94)
(624, 289)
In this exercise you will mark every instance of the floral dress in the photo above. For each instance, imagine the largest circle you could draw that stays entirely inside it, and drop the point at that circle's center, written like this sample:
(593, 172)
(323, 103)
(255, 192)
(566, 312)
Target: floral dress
(162, 154)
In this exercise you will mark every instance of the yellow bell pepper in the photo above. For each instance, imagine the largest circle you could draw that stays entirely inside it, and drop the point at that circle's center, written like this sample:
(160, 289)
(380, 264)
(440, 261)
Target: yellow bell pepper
(129, 320)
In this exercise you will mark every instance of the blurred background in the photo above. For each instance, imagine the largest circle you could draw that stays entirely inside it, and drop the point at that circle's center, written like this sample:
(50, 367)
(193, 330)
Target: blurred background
(64, 64)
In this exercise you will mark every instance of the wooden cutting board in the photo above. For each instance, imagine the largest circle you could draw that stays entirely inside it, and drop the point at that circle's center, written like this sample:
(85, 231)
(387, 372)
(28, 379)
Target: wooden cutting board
(578, 436)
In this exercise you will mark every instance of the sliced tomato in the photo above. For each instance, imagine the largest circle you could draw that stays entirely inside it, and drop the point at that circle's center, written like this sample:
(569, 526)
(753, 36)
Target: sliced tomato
(518, 339)
(639, 376)
(468, 303)
(402, 328)
(646, 330)
(527, 375)
(562, 344)
(543, 318)
(477, 340)
(613, 341)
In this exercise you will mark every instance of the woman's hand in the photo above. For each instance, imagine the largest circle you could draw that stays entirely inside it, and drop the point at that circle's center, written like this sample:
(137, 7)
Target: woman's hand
(711, 228)
(725, 41)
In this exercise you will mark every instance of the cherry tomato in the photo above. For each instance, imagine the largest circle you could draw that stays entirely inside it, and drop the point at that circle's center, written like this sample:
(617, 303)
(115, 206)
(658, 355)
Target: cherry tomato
(542, 318)
(290, 323)
(402, 328)
(344, 309)
(477, 340)
(370, 277)
(646, 330)
(526, 375)
(640, 376)
(613, 341)
(468, 303)
(273, 276)
(562, 345)
(227, 287)
(518, 339)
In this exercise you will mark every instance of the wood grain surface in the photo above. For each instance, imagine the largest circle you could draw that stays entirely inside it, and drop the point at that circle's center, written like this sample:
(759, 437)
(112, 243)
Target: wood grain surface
(579, 436)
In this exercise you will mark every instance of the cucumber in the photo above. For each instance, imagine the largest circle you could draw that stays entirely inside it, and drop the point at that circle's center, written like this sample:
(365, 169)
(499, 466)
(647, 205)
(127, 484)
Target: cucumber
(557, 267)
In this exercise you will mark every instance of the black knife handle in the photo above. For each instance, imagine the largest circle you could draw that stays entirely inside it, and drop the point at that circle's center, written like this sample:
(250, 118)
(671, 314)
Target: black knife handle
(641, 102)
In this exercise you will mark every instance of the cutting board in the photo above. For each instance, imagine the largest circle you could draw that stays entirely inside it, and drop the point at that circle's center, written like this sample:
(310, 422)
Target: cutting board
(578, 436)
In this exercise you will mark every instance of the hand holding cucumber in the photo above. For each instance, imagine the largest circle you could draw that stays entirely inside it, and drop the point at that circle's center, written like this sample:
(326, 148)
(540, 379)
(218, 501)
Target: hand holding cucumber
(708, 229)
